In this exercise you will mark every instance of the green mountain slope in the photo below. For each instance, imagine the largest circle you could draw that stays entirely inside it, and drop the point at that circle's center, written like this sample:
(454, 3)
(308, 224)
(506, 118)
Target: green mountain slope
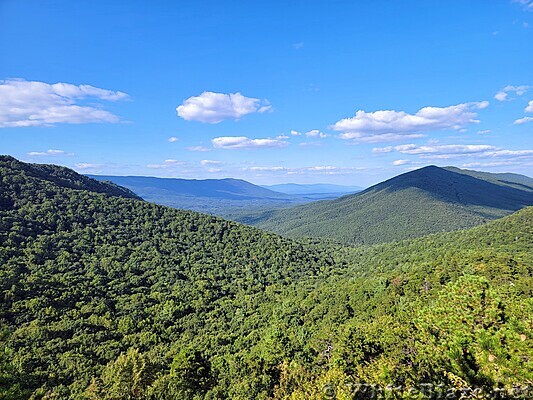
(54, 175)
(222, 197)
(85, 276)
(417, 203)
(117, 298)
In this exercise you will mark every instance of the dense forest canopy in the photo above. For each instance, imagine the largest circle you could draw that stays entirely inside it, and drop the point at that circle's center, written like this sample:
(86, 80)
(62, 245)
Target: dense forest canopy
(105, 296)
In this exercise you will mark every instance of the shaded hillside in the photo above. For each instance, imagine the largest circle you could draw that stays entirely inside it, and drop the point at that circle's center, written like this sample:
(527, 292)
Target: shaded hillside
(110, 297)
(61, 176)
(413, 204)
(222, 197)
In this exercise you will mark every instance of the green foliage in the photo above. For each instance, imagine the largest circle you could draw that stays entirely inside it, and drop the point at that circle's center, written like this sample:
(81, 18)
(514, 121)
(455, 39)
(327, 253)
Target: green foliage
(124, 378)
(418, 203)
(112, 297)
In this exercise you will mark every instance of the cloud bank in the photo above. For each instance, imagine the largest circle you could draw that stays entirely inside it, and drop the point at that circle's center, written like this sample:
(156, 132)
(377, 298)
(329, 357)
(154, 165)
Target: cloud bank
(391, 125)
(50, 153)
(454, 151)
(242, 142)
(31, 103)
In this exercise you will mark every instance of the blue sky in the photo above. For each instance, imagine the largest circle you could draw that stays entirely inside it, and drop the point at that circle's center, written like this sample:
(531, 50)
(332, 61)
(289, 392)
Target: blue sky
(348, 92)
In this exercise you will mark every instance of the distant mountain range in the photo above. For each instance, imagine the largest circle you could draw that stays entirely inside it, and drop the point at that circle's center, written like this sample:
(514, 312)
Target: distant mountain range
(223, 197)
(417, 203)
(317, 191)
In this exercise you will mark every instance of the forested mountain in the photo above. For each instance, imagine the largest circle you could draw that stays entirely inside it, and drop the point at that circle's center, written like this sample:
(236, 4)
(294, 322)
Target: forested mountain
(108, 297)
(57, 175)
(222, 197)
(417, 203)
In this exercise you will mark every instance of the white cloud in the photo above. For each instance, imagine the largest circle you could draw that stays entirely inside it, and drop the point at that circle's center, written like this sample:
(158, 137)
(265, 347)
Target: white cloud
(454, 151)
(173, 139)
(387, 149)
(500, 96)
(213, 170)
(529, 107)
(315, 143)
(390, 125)
(483, 132)
(322, 168)
(315, 170)
(199, 148)
(282, 137)
(50, 153)
(87, 166)
(400, 162)
(503, 94)
(315, 133)
(242, 142)
(213, 108)
(267, 169)
(524, 120)
(210, 162)
(490, 164)
(31, 103)
(298, 45)
(170, 163)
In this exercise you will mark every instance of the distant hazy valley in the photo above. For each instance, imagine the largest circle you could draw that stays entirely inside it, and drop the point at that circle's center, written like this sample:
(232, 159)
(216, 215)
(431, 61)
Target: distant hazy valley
(224, 197)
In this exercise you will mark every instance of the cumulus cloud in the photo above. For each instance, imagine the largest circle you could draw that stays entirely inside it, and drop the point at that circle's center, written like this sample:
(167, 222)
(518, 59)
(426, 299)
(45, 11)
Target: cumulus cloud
(31, 103)
(242, 142)
(500, 96)
(50, 153)
(400, 162)
(390, 125)
(170, 163)
(212, 108)
(529, 107)
(453, 151)
(503, 94)
(524, 120)
(173, 139)
(314, 133)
